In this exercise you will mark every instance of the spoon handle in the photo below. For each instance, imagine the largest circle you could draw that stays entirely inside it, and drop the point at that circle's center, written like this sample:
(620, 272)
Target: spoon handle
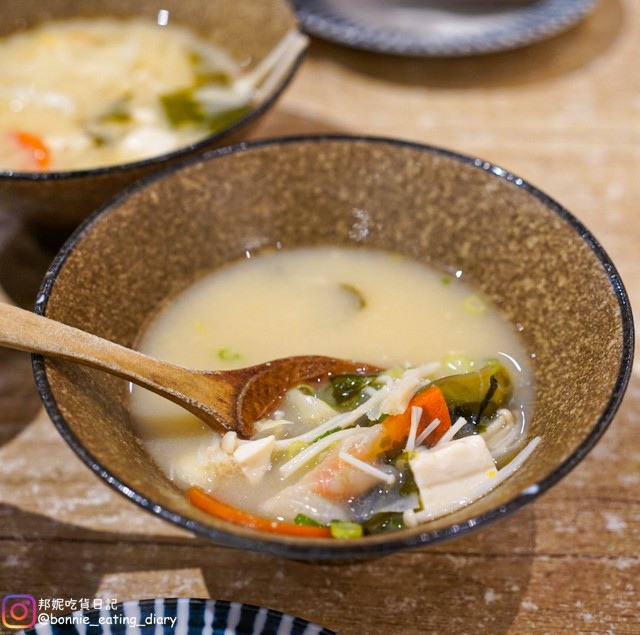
(26, 331)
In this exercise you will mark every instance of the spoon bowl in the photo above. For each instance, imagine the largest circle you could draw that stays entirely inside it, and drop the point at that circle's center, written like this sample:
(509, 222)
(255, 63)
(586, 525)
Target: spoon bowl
(225, 400)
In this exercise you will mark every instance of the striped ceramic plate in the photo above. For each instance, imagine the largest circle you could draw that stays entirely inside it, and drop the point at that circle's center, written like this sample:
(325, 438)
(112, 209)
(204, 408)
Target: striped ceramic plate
(439, 27)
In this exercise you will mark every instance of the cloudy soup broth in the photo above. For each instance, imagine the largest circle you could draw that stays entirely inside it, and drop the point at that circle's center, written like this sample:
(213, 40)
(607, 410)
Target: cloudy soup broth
(357, 304)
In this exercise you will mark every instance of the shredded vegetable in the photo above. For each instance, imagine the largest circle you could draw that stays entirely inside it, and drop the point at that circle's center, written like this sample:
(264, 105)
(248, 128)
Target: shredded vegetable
(395, 450)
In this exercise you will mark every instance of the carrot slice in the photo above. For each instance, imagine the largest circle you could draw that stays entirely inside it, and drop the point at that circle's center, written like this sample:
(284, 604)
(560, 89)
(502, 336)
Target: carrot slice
(34, 144)
(434, 406)
(208, 503)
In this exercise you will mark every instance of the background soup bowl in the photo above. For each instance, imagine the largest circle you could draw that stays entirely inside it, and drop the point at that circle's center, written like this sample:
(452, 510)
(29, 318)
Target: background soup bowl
(55, 202)
(539, 265)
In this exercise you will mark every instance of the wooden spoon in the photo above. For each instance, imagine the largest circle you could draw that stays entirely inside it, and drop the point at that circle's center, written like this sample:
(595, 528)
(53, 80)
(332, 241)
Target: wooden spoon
(225, 400)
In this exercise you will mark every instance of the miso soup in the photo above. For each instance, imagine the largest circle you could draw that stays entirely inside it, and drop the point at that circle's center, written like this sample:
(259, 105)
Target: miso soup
(443, 422)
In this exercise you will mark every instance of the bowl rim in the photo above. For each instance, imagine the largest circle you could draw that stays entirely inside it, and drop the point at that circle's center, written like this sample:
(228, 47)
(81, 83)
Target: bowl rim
(371, 546)
(185, 151)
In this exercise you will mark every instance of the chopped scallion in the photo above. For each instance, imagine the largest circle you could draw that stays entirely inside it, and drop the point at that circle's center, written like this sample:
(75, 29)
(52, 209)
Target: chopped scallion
(228, 355)
(326, 434)
(346, 530)
(303, 519)
(475, 305)
(295, 447)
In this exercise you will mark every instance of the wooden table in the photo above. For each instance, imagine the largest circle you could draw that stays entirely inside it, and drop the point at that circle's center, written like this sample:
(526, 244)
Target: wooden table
(565, 115)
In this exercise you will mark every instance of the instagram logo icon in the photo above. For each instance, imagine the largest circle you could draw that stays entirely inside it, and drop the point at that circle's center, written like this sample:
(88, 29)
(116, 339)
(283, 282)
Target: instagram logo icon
(18, 611)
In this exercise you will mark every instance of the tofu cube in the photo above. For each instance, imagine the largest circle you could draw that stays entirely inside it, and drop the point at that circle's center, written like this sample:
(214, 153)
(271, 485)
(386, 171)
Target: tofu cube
(448, 474)
(254, 457)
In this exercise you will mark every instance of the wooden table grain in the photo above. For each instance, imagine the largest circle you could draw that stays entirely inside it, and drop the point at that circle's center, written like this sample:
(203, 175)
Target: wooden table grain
(565, 115)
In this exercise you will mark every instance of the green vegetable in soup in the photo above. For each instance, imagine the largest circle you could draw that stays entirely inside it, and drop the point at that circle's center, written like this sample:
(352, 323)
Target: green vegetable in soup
(205, 72)
(383, 522)
(224, 118)
(346, 529)
(303, 519)
(413, 451)
(119, 113)
(183, 108)
(347, 390)
(407, 483)
(355, 294)
(324, 435)
(228, 354)
(477, 395)
(213, 78)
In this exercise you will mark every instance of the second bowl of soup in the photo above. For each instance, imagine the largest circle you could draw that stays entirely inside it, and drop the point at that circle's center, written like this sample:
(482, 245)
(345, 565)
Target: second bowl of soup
(96, 95)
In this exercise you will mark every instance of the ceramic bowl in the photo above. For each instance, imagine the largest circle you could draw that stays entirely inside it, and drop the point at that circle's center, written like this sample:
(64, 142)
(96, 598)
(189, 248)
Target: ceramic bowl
(531, 257)
(247, 29)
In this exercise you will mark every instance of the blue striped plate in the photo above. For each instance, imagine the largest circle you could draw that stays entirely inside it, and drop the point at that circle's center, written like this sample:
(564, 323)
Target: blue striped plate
(438, 27)
(176, 616)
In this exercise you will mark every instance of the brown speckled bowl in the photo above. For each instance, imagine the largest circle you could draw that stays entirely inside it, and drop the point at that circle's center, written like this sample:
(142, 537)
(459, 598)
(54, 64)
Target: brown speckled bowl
(57, 201)
(536, 261)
